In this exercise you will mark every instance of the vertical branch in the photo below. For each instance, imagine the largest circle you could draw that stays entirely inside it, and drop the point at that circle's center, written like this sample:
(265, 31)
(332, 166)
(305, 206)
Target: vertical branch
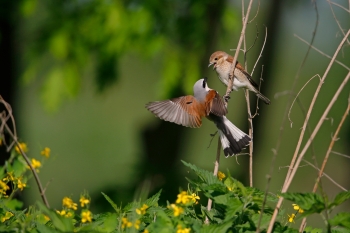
(334, 138)
(216, 170)
(250, 120)
(318, 126)
(229, 90)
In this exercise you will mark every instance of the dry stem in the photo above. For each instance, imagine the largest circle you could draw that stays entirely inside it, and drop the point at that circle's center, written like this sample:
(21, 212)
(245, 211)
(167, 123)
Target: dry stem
(15, 141)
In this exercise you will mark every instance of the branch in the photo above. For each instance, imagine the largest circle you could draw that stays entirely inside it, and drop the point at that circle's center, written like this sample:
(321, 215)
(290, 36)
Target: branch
(15, 141)
(292, 170)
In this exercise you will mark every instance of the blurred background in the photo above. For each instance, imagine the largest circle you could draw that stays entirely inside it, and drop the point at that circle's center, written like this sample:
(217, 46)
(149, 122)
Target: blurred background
(78, 74)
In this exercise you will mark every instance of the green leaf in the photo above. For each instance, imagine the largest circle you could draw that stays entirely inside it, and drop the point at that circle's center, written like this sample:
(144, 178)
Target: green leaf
(309, 202)
(264, 223)
(61, 223)
(204, 175)
(104, 223)
(45, 229)
(115, 207)
(340, 198)
(153, 201)
(341, 219)
(217, 228)
(234, 206)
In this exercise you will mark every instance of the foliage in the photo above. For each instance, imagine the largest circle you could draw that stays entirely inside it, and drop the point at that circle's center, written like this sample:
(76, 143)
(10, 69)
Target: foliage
(236, 208)
(98, 33)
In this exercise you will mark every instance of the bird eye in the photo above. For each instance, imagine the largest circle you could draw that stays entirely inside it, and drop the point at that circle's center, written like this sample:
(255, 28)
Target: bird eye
(204, 83)
(216, 59)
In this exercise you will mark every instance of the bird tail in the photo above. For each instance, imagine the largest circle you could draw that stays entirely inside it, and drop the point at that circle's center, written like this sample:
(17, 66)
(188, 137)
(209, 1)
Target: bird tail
(233, 140)
(263, 98)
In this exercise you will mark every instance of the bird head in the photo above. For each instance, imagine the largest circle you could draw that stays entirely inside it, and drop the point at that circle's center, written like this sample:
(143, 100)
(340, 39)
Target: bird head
(216, 58)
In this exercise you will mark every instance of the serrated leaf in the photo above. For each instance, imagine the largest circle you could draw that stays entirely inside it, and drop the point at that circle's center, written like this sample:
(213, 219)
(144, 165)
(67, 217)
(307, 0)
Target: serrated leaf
(216, 228)
(115, 207)
(340, 198)
(153, 201)
(204, 175)
(234, 206)
(341, 219)
(309, 202)
(105, 223)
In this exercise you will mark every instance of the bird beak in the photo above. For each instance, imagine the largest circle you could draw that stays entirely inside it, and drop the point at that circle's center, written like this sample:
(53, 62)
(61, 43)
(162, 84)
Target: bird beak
(212, 64)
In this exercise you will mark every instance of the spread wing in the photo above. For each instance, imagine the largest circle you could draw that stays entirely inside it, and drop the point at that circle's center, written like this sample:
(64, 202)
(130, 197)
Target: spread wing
(182, 111)
(217, 106)
(240, 67)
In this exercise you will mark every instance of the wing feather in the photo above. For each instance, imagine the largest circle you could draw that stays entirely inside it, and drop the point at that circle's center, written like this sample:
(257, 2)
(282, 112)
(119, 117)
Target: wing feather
(181, 111)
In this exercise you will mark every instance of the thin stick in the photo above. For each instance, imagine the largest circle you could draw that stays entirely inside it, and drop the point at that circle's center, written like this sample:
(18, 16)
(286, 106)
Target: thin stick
(230, 83)
(337, 153)
(321, 173)
(216, 170)
(293, 168)
(14, 137)
(326, 175)
(322, 53)
(233, 66)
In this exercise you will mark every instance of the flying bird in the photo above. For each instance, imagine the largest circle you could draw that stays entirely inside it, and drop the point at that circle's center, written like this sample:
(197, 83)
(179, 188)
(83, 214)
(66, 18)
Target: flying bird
(222, 65)
(189, 111)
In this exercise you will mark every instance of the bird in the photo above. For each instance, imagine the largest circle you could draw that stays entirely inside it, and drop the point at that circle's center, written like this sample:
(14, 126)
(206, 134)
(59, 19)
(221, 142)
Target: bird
(222, 65)
(189, 110)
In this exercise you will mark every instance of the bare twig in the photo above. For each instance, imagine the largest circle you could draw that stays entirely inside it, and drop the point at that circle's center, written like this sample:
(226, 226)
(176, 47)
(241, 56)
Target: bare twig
(230, 83)
(338, 5)
(322, 53)
(216, 169)
(326, 175)
(261, 51)
(276, 149)
(15, 141)
(292, 170)
(337, 153)
(291, 106)
(321, 173)
(337, 21)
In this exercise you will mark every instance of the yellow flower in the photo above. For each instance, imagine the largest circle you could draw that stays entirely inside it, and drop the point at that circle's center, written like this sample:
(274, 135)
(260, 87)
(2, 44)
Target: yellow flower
(22, 146)
(3, 187)
(86, 216)
(296, 207)
(291, 218)
(182, 230)
(194, 198)
(182, 198)
(177, 210)
(142, 210)
(137, 224)
(83, 201)
(7, 216)
(62, 212)
(67, 202)
(126, 223)
(9, 177)
(221, 175)
(36, 163)
(146, 231)
(20, 184)
(46, 217)
(46, 152)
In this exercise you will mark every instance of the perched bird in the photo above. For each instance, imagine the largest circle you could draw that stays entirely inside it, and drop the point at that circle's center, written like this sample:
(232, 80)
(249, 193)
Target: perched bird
(189, 110)
(222, 64)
